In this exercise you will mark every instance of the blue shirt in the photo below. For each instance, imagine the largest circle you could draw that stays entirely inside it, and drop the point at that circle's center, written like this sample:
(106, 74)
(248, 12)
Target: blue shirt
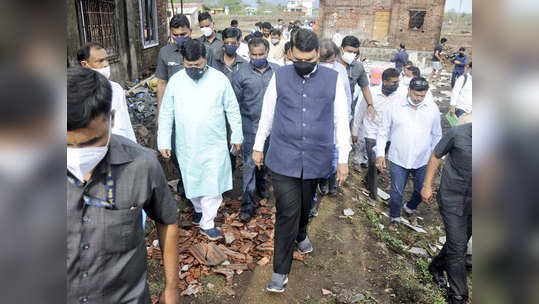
(249, 85)
(459, 67)
(400, 58)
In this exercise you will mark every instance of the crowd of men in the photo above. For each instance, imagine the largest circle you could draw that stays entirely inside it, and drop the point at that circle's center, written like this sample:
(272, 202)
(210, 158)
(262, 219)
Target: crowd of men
(294, 107)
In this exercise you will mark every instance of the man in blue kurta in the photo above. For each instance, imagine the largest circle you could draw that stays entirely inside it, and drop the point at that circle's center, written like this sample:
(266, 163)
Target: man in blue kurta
(196, 101)
(250, 84)
(305, 109)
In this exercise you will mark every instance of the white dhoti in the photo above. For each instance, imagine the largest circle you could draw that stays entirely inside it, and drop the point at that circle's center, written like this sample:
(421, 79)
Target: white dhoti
(208, 206)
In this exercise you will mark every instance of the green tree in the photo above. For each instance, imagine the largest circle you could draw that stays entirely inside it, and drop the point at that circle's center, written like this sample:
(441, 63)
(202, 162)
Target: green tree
(235, 6)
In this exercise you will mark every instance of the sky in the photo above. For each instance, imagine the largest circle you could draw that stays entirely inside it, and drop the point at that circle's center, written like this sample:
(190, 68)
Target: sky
(454, 4)
(449, 4)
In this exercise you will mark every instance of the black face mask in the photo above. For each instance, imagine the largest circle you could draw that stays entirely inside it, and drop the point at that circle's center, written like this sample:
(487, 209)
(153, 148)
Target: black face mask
(303, 68)
(195, 73)
(388, 90)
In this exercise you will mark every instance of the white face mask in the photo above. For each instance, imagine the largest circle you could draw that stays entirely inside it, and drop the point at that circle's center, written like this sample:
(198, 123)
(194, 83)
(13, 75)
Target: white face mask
(207, 31)
(80, 161)
(274, 41)
(104, 71)
(412, 103)
(348, 57)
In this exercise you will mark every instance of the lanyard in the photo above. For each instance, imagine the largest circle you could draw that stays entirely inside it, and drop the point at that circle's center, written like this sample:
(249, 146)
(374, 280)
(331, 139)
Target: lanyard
(97, 202)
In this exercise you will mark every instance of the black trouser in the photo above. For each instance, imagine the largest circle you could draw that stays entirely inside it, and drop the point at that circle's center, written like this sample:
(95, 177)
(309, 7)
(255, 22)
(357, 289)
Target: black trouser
(293, 199)
(372, 173)
(452, 258)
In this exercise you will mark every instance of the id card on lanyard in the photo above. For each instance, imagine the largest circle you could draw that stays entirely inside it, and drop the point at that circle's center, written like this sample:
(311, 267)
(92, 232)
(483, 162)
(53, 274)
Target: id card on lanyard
(109, 203)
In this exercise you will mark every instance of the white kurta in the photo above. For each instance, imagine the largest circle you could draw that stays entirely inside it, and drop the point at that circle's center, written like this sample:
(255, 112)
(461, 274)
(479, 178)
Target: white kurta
(198, 109)
(122, 121)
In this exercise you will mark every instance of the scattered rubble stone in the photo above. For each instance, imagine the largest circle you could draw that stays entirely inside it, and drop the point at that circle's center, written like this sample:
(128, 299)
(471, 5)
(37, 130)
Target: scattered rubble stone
(244, 246)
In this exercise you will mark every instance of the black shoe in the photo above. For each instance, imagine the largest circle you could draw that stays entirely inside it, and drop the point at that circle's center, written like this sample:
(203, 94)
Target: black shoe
(437, 275)
(324, 186)
(245, 216)
(456, 300)
(263, 193)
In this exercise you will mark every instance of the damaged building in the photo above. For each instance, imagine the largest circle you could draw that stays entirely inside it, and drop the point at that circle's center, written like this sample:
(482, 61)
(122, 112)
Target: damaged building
(132, 32)
(416, 23)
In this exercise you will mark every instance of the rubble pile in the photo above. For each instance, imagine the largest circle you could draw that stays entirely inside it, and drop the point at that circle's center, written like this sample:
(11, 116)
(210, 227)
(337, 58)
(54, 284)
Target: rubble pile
(142, 103)
(244, 246)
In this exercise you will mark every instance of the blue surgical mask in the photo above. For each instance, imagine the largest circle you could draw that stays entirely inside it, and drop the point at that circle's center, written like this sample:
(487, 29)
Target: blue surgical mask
(230, 50)
(181, 40)
(259, 62)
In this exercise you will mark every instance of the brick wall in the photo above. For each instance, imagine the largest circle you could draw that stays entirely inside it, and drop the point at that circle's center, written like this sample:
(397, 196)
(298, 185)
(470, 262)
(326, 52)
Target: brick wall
(356, 17)
(423, 39)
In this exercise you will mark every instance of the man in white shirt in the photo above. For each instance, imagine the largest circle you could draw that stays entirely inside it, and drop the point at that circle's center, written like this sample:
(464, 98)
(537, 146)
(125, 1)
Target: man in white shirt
(276, 52)
(461, 96)
(382, 96)
(412, 125)
(94, 56)
(305, 109)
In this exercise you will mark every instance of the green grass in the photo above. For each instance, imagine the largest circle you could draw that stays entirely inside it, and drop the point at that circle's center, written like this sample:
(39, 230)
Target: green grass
(216, 292)
(411, 282)
(394, 242)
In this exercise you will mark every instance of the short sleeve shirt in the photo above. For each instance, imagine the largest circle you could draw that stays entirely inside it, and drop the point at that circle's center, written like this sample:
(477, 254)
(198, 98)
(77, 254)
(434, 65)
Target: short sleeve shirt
(106, 250)
(357, 74)
(169, 61)
(438, 48)
(456, 184)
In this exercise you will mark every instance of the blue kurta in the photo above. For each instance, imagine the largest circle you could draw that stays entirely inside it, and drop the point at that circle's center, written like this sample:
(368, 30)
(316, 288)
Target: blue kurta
(198, 109)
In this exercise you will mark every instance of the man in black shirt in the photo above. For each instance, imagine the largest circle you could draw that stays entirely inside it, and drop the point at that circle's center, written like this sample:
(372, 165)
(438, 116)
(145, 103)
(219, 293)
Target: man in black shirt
(455, 202)
(437, 61)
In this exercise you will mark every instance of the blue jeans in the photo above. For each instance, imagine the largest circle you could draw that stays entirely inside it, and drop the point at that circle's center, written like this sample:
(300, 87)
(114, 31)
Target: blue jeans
(252, 179)
(399, 178)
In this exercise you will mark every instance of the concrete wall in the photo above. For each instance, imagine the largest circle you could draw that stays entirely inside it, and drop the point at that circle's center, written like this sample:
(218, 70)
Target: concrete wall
(419, 58)
(356, 17)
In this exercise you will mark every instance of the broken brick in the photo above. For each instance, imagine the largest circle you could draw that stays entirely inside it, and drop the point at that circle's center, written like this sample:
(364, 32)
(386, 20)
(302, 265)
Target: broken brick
(214, 255)
(231, 253)
(263, 261)
(199, 252)
(229, 237)
(298, 256)
(248, 235)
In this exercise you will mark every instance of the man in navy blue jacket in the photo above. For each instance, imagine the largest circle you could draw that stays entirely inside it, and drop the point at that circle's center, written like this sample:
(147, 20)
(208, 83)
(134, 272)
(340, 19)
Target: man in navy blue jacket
(400, 58)
(305, 109)
(460, 65)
